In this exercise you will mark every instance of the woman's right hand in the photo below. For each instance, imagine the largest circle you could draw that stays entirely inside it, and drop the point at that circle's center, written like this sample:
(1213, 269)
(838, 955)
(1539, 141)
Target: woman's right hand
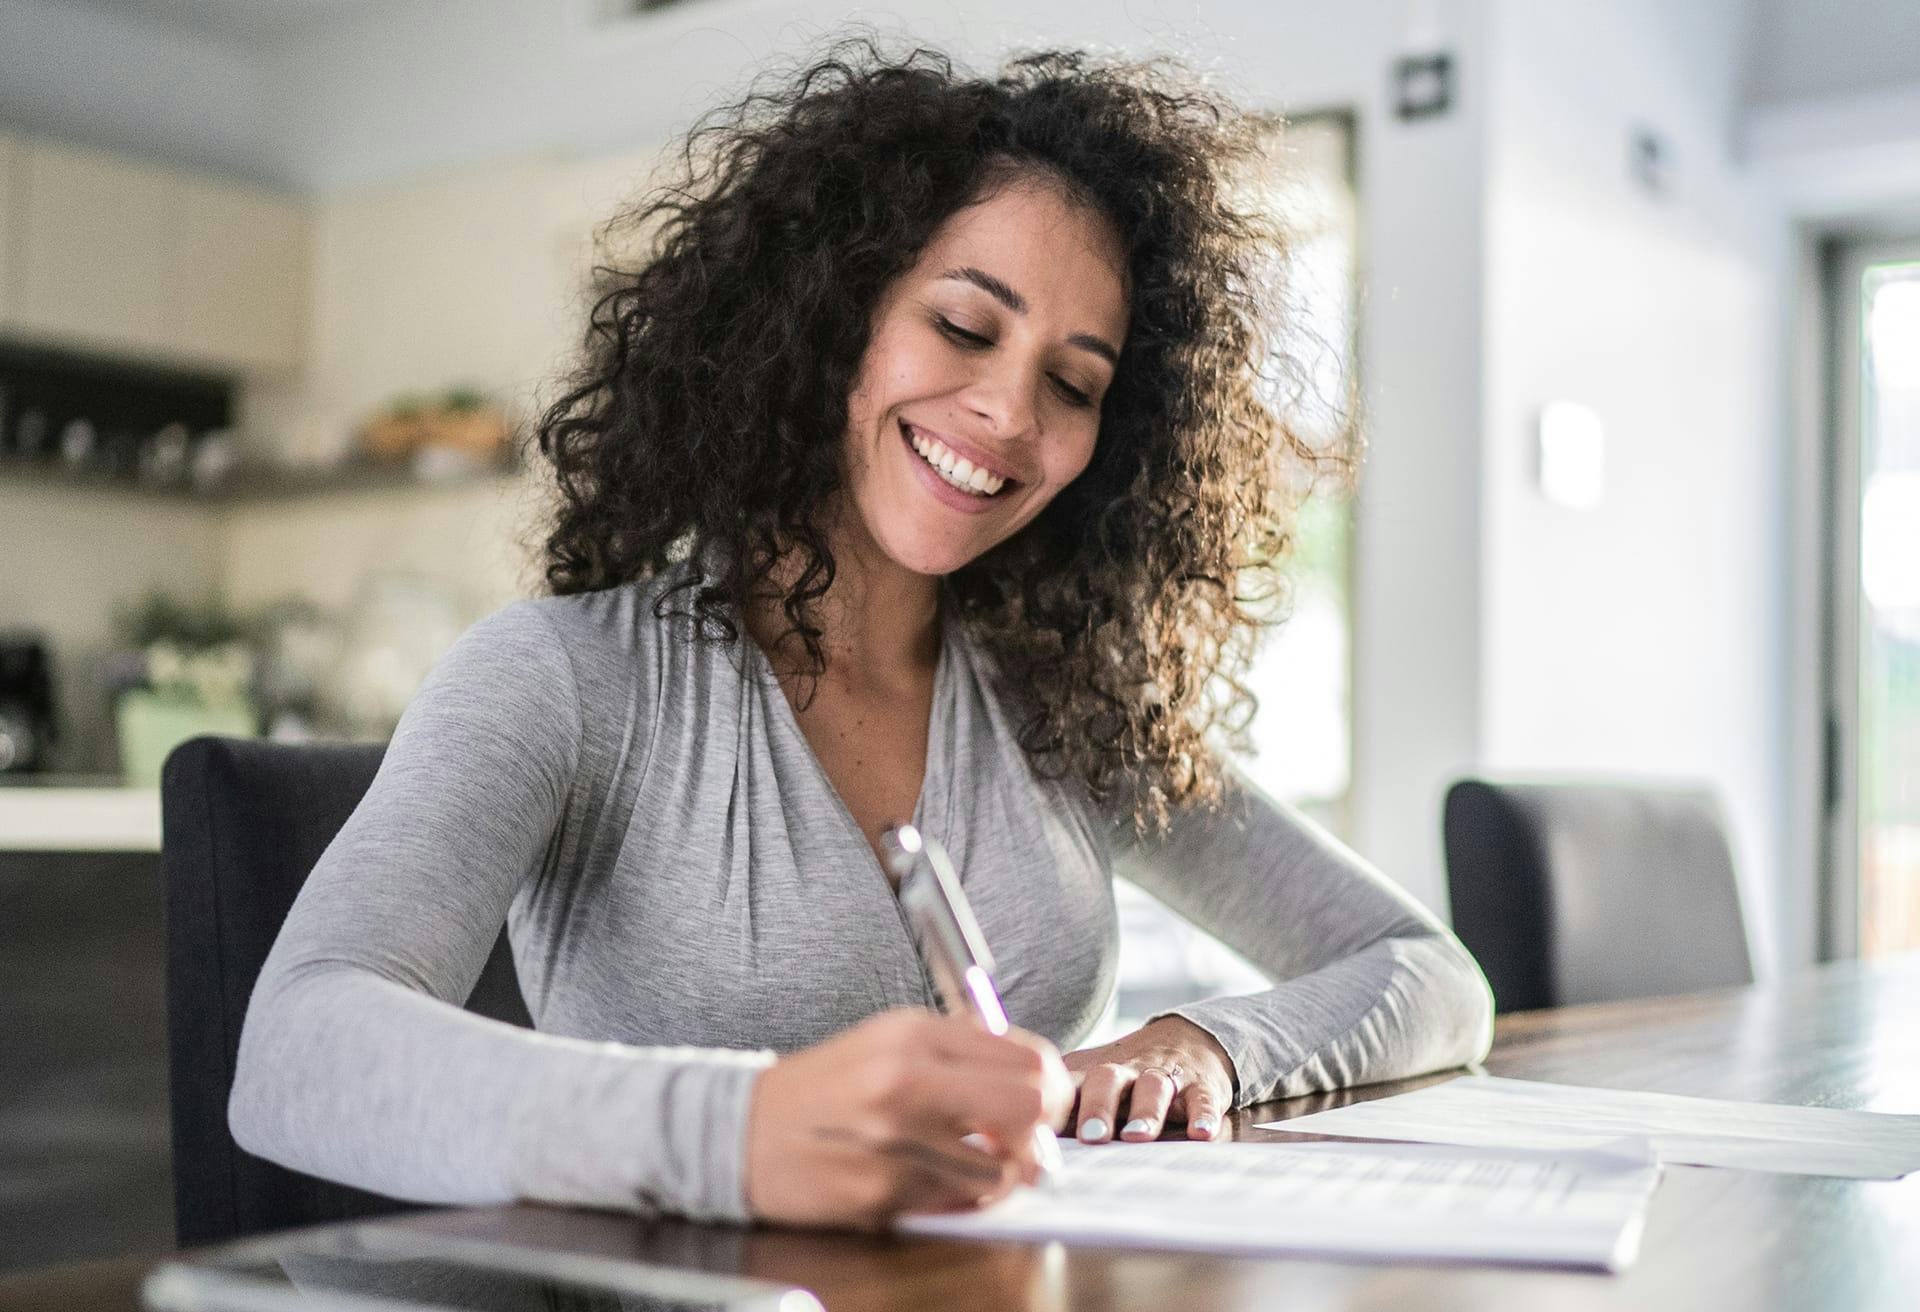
(868, 1125)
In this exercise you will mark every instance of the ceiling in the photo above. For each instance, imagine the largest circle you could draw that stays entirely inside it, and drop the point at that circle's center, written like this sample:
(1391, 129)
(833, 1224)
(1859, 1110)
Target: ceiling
(1801, 50)
(238, 20)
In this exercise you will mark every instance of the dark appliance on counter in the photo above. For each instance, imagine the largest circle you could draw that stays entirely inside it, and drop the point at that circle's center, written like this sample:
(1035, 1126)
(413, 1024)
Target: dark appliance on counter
(27, 727)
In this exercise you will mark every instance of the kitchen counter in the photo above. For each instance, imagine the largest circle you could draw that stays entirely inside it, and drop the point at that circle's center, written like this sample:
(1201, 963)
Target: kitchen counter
(78, 814)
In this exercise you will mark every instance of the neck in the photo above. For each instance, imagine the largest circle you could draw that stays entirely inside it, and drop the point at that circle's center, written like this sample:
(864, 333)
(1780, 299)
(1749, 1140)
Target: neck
(880, 622)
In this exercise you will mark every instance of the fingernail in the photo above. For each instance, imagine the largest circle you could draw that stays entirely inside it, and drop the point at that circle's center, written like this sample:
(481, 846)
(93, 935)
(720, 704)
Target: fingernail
(1092, 1130)
(1203, 1125)
(1138, 1125)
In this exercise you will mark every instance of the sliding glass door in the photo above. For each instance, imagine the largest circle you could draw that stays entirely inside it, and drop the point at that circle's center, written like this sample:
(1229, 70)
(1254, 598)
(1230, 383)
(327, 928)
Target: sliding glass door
(1874, 683)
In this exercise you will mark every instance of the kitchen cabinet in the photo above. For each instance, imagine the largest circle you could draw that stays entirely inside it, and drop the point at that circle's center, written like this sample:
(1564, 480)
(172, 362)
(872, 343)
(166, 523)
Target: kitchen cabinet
(120, 257)
(83, 1086)
(94, 248)
(242, 275)
(10, 192)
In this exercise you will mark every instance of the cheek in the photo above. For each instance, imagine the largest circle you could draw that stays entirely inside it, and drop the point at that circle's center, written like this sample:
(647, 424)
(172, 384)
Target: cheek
(1072, 458)
(889, 374)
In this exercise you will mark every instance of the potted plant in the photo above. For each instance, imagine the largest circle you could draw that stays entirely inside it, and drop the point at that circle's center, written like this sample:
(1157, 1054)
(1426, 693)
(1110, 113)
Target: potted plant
(187, 670)
(463, 421)
(468, 423)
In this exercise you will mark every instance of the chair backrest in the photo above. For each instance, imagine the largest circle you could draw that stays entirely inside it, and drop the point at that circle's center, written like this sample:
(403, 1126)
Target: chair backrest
(1570, 893)
(242, 824)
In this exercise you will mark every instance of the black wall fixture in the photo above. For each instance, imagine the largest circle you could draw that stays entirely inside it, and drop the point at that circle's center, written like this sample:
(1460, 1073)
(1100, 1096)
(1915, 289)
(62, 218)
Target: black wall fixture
(1423, 85)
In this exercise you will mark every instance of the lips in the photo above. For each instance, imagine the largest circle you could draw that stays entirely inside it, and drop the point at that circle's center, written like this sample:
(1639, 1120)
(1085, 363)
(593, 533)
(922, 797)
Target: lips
(938, 487)
(973, 455)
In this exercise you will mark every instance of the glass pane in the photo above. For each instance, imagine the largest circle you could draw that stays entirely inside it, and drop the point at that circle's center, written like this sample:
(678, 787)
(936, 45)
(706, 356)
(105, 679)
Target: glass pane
(1302, 732)
(1890, 612)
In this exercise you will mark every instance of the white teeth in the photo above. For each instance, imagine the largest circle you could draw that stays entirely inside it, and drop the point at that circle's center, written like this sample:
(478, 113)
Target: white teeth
(953, 467)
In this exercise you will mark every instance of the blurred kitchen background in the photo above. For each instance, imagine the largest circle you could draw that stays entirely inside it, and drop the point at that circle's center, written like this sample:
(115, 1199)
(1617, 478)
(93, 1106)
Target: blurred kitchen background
(1630, 290)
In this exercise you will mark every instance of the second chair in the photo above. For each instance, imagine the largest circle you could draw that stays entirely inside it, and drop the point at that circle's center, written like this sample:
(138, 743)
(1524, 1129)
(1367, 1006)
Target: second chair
(1570, 893)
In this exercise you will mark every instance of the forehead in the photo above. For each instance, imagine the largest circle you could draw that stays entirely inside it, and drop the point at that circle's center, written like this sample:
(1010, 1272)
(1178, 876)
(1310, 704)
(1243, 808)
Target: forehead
(1065, 258)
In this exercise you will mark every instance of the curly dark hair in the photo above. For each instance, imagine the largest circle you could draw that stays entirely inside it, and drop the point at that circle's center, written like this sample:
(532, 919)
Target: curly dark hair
(712, 397)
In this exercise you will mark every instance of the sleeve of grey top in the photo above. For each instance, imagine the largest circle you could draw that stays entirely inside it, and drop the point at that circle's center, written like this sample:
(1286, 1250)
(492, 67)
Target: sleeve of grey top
(1369, 985)
(356, 1060)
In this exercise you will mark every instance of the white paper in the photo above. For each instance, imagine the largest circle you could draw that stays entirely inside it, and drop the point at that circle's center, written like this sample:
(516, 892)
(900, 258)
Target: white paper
(1489, 1111)
(1408, 1201)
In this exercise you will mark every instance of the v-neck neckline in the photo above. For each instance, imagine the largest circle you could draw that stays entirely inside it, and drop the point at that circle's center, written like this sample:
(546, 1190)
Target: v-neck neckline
(936, 739)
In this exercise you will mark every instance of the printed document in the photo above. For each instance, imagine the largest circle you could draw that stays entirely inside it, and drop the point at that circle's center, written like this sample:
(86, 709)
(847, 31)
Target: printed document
(1407, 1201)
(1490, 1111)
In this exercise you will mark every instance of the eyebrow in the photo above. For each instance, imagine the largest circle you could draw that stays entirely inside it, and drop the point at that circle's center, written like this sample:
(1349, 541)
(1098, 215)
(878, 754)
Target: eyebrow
(1017, 303)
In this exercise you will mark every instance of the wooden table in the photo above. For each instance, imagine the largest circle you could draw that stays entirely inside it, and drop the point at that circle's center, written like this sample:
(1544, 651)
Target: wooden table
(1846, 1035)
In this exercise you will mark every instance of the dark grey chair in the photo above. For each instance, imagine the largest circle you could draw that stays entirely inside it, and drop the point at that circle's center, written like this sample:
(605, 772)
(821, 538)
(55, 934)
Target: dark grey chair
(242, 825)
(1570, 893)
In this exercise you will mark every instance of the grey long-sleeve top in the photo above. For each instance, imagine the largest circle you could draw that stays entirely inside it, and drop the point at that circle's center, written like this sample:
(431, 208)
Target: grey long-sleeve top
(687, 896)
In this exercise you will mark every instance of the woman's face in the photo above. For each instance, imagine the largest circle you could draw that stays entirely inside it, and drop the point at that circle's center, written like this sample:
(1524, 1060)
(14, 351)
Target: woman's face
(988, 359)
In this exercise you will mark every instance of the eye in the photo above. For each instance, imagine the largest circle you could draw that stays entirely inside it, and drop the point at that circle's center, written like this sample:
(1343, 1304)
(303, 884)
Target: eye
(975, 342)
(959, 334)
(1074, 396)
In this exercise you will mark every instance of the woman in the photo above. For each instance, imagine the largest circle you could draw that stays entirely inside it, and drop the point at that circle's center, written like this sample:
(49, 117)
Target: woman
(919, 471)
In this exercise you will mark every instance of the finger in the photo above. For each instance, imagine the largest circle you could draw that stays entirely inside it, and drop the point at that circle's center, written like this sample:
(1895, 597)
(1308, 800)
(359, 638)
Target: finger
(1021, 1057)
(1204, 1110)
(943, 1103)
(981, 1081)
(1024, 1163)
(929, 1182)
(1072, 1118)
(1065, 1124)
(912, 1190)
(1099, 1106)
(1147, 1106)
(904, 1175)
(961, 1168)
(1082, 1060)
(1058, 1086)
(960, 1039)
(970, 1199)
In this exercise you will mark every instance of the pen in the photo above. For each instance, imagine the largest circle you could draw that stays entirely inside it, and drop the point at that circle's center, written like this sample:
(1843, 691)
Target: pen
(951, 946)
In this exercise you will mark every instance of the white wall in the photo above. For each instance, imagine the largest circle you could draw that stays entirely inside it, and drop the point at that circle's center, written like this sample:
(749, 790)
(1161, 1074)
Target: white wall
(1647, 634)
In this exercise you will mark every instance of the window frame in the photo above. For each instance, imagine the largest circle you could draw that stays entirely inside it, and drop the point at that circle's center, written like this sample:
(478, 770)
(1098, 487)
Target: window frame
(1844, 267)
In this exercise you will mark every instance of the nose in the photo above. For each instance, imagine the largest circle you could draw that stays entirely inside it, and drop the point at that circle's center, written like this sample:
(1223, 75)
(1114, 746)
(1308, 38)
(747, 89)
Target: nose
(1003, 396)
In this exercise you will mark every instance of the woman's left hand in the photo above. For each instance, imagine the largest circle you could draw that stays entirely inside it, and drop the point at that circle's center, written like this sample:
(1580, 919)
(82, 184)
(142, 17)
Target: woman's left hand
(1167, 1071)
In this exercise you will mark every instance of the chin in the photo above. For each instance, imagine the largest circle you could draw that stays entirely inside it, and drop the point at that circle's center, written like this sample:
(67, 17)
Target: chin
(937, 559)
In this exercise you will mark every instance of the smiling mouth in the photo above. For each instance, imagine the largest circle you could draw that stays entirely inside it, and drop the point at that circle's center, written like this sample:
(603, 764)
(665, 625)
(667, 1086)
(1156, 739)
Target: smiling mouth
(954, 469)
